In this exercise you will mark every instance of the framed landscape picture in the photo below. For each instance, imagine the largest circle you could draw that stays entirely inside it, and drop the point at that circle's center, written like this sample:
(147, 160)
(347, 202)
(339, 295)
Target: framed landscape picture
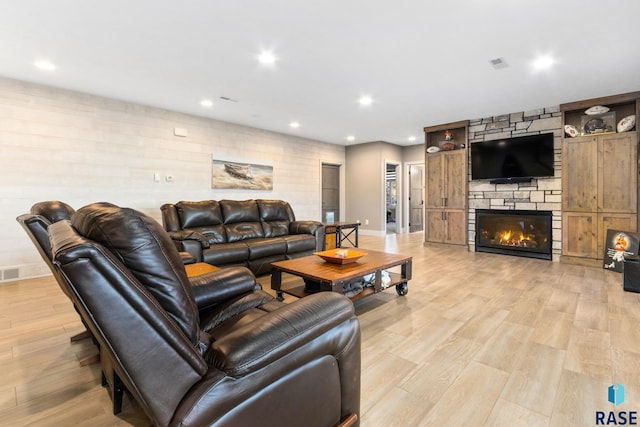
(226, 174)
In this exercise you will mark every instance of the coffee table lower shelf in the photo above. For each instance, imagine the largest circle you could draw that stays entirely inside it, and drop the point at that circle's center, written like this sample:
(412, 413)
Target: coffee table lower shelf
(331, 278)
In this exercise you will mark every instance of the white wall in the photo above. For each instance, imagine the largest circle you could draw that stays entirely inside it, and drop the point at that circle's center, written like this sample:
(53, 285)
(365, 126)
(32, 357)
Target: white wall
(78, 148)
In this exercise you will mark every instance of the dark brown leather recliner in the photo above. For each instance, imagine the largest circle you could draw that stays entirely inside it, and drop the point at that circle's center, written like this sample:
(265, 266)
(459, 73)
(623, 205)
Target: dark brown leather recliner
(35, 223)
(219, 352)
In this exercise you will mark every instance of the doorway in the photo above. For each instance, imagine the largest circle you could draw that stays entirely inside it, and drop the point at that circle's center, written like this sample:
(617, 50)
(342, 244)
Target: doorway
(416, 198)
(330, 193)
(391, 198)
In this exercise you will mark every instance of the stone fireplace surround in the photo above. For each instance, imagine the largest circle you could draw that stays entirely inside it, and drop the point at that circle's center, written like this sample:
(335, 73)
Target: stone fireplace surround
(541, 194)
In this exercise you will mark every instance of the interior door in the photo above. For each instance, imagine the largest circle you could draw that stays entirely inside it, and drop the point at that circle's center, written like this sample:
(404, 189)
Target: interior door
(330, 193)
(416, 198)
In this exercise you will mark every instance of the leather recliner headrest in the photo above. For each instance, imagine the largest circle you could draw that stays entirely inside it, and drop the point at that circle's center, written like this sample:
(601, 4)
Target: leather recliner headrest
(147, 250)
(53, 211)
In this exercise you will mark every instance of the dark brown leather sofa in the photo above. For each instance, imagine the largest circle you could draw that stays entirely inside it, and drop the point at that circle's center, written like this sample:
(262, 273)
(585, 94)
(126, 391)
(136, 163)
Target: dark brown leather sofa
(250, 233)
(218, 351)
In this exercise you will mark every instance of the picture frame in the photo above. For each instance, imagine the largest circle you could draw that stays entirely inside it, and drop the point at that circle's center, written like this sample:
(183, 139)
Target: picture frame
(237, 174)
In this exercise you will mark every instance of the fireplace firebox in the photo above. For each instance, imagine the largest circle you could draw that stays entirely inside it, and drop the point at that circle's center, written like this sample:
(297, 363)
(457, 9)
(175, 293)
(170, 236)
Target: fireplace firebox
(514, 232)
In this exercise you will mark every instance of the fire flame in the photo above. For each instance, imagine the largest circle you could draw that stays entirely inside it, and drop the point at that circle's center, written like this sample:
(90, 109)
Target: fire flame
(511, 238)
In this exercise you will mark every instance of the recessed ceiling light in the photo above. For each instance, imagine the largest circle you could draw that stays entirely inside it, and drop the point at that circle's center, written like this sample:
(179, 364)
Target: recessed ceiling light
(411, 138)
(294, 125)
(206, 103)
(45, 65)
(351, 138)
(267, 58)
(543, 62)
(365, 100)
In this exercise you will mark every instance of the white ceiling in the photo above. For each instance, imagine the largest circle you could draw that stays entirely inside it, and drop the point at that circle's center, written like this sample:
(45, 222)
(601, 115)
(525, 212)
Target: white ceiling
(423, 62)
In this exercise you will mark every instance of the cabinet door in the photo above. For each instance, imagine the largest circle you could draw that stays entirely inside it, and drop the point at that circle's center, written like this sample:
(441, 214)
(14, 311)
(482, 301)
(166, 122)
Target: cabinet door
(618, 173)
(613, 221)
(580, 174)
(456, 228)
(455, 179)
(436, 226)
(579, 234)
(433, 181)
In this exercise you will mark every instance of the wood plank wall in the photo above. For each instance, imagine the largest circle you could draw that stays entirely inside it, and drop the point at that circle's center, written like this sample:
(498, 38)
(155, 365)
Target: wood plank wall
(80, 148)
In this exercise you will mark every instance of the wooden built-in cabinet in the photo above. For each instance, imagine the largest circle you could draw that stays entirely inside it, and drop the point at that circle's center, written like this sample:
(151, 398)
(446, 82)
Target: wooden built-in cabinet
(599, 182)
(446, 185)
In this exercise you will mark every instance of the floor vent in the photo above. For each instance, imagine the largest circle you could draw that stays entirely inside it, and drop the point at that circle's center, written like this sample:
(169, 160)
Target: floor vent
(10, 274)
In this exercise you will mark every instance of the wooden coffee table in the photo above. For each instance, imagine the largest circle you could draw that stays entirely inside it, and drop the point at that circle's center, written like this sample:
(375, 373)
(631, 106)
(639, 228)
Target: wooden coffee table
(331, 277)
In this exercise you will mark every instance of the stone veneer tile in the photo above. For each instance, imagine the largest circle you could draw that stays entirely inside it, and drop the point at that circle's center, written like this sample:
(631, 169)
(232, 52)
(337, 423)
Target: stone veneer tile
(481, 186)
(480, 203)
(534, 112)
(506, 187)
(545, 124)
(549, 184)
(526, 206)
(549, 206)
(477, 128)
(521, 194)
(500, 133)
(523, 125)
(499, 194)
(516, 117)
(553, 198)
(537, 196)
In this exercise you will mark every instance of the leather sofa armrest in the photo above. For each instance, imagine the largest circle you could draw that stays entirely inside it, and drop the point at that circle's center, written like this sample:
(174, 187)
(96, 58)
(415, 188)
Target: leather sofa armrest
(274, 335)
(190, 241)
(187, 258)
(314, 228)
(305, 227)
(182, 235)
(222, 285)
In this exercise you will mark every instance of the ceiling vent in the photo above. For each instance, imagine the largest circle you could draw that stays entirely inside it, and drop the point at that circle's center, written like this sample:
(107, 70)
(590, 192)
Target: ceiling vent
(498, 63)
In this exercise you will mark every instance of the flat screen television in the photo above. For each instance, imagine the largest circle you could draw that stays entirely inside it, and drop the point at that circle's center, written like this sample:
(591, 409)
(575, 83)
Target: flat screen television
(513, 159)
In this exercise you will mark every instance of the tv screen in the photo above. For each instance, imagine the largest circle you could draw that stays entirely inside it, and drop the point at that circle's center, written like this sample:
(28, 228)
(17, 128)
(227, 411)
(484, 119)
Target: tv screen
(513, 159)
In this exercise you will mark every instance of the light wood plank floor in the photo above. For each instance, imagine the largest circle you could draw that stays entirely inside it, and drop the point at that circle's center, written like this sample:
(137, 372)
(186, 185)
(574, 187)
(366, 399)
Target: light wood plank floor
(479, 340)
